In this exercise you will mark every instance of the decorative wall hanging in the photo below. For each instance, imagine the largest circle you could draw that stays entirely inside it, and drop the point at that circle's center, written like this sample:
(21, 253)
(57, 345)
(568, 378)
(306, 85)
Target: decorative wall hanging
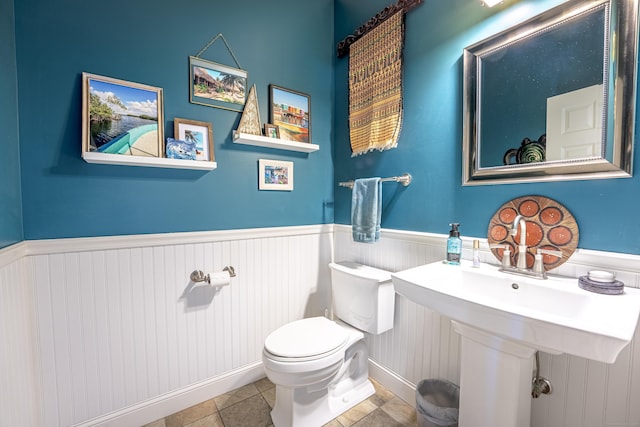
(250, 120)
(549, 226)
(375, 87)
(120, 117)
(291, 112)
(198, 134)
(217, 85)
(403, 6)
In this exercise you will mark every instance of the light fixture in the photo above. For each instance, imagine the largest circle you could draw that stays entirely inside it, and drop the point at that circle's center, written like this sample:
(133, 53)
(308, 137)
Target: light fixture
(491, 3)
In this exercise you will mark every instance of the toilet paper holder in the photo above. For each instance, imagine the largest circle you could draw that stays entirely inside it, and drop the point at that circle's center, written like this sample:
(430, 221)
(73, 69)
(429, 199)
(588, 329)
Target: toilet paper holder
(200, 276)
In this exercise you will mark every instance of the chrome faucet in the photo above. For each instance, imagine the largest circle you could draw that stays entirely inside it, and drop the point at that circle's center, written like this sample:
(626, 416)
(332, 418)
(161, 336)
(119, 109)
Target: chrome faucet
(538, 270)
(522, 246)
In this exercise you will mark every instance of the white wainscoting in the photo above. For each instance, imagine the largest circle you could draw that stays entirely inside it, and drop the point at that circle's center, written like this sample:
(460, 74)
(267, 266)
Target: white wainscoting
(96, 331)
(116, 331)
(423, 345)
(19, 375)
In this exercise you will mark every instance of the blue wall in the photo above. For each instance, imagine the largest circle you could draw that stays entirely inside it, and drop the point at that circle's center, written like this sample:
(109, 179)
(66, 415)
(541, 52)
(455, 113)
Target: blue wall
(285, 42)
(430, 146)
(62, 196)
(10, 203)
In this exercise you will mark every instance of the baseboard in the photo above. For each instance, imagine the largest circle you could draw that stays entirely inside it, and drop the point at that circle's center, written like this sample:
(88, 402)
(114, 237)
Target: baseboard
(170, 403)
(396, 384)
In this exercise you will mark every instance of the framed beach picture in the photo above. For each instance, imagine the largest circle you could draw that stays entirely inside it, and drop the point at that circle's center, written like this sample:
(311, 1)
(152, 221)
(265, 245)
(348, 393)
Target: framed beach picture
(198, 135)
(121, 117)
(275, 175)
(217, 85)
(271, 131)
(290, 111)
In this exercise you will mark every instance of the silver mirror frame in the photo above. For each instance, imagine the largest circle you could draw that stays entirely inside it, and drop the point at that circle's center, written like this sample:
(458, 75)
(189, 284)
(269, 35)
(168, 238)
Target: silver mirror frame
(621, 60)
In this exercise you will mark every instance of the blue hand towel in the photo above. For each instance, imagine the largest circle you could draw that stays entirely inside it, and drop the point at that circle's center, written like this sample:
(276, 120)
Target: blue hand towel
(366, 210)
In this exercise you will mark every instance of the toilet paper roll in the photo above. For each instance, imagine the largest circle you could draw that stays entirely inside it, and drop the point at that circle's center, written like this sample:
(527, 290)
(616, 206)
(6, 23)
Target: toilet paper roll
(220, 278)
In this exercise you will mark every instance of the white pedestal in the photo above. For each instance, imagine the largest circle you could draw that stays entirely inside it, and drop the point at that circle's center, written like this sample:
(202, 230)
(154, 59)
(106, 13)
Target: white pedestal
(495, 380)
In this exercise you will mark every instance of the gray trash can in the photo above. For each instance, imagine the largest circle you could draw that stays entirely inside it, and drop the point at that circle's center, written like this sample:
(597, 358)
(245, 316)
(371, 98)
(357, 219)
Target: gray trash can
(437, 403)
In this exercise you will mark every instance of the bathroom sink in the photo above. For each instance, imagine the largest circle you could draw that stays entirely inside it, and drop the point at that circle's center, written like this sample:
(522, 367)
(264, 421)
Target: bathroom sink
(552, 315)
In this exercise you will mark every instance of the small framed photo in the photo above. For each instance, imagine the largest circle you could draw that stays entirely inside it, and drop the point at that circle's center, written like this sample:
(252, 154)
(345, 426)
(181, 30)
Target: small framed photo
(217, 85)
(290, 111)
(275, 175)
(197, 135)
(272, 131)
(121, 117)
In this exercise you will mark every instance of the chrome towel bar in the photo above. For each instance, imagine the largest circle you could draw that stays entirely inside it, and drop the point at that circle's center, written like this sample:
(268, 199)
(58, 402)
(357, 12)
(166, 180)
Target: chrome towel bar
(404, 179)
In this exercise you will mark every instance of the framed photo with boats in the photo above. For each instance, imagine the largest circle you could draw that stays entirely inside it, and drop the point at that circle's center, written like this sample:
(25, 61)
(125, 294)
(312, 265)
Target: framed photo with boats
(290, 111)
(121, 117)
(275, 175)
(197, 135)
(217, 85)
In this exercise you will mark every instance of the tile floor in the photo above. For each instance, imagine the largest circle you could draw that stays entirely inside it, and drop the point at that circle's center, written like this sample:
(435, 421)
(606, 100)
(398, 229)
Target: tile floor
(250, 406)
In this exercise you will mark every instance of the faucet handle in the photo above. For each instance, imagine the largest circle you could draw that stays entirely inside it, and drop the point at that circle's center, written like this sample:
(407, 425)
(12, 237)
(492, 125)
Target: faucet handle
(550, 252)
(506, 253)
(538, 265)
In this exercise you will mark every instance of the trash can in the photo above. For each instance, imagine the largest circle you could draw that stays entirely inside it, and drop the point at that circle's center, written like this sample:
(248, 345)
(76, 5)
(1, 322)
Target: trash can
(437, 403)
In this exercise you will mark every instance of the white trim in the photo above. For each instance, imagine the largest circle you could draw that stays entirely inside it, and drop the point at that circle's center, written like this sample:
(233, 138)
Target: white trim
(177, 400)
(402, 235)
(581, 257)
(84, 244)
(13, 253)
(587, 258)
(584, 257)
(392, 381)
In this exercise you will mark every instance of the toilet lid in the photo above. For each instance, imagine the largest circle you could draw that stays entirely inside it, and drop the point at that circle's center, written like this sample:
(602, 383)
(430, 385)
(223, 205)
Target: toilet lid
(306, 337)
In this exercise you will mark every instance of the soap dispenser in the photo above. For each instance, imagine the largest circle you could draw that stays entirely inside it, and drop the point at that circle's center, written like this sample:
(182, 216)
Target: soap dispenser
(454, 245)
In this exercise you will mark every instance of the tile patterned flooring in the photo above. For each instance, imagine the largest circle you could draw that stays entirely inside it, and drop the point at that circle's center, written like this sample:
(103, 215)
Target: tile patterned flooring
(250, 406)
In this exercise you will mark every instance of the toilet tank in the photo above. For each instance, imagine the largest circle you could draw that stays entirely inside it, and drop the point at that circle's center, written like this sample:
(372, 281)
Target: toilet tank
(363, 296)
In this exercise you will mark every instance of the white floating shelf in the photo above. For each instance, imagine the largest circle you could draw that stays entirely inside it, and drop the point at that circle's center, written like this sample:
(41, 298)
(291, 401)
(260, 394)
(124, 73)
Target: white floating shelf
(265, 141)
(154, 162)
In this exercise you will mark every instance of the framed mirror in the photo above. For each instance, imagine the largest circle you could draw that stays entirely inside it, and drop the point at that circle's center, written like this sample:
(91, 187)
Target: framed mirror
(553, 98)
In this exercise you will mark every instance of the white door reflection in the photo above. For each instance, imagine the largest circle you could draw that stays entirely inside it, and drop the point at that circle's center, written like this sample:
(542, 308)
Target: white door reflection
(574, 124)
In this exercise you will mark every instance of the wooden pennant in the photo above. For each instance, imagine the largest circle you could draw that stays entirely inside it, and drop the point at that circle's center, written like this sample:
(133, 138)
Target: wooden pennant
(250, 120)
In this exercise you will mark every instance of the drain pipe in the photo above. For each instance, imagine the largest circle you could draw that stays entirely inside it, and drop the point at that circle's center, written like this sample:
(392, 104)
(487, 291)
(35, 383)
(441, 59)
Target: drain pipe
(539, 384)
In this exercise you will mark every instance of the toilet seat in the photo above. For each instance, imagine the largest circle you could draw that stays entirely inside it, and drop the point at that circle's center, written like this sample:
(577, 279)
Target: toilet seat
(305, 340)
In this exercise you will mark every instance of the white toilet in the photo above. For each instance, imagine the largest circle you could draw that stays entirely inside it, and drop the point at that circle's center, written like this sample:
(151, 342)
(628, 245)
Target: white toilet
(320, 367)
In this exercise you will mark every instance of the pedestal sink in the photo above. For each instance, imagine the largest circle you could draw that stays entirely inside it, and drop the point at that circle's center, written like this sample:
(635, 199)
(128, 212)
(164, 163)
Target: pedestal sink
(504, 319)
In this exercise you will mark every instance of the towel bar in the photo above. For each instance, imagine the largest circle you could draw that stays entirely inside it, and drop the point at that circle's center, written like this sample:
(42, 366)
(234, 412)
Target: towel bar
(404, 179)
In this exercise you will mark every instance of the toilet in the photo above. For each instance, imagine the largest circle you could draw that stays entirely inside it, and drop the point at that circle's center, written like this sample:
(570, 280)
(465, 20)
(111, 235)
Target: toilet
(319, 366)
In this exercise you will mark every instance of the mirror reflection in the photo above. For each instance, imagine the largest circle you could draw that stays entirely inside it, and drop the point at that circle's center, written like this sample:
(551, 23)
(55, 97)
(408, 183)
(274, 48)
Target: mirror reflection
(539, 97)
(540, 78)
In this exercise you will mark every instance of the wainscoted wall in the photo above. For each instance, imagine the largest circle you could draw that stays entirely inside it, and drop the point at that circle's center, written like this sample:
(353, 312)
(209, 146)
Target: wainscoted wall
(98, 331)
(422, 344)
(19, 373)
(116, 331)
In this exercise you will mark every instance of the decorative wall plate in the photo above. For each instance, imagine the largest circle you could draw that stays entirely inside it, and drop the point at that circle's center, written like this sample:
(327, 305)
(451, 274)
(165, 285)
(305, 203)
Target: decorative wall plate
(549, 226)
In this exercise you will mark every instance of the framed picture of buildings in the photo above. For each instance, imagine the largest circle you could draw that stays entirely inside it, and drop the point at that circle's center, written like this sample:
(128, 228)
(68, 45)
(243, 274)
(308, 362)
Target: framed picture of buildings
(275, 175)
(290, 111)
(217, 85)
